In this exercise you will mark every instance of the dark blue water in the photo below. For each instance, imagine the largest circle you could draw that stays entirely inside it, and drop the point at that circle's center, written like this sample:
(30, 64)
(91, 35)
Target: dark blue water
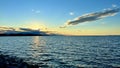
(65, 51)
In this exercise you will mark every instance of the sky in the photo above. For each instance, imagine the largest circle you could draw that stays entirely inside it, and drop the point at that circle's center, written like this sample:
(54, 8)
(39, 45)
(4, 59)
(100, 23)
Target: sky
(69, 17)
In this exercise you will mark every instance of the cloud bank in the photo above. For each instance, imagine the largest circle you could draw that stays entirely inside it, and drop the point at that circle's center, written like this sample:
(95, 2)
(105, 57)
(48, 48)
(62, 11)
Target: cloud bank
(93, 16)
(9, 31)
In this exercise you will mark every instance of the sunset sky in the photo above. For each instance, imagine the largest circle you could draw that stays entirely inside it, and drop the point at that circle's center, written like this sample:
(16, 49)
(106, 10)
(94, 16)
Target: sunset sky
(94, 17)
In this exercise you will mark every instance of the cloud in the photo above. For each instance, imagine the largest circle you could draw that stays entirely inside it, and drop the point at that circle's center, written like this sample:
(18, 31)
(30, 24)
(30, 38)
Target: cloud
(2, 28)
(93, 16)
(35, 11)
(26, 29)
(62, 26)
(113, 5)
(71, 13)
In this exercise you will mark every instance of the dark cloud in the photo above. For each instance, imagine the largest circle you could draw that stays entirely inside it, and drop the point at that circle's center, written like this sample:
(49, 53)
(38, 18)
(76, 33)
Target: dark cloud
(94, 16)
(26, 29)
(23, 31)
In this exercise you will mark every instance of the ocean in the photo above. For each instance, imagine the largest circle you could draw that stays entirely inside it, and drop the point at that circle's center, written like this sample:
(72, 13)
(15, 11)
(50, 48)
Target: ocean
(64, 51)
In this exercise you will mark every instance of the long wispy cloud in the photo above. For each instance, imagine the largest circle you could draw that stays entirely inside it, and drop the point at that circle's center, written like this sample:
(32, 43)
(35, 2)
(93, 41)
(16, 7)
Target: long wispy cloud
(6, 28)
(26, 29)
(92, 16)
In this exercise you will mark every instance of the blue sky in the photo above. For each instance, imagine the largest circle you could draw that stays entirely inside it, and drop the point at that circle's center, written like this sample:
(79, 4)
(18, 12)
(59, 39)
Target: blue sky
(54, 13)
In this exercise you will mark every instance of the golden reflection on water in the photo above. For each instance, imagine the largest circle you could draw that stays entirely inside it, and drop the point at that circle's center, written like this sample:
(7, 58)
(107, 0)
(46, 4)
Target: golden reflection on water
(38, 46)
(36, 41)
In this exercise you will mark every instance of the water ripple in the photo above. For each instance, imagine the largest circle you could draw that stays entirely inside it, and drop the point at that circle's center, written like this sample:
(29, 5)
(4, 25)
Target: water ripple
(64, 51)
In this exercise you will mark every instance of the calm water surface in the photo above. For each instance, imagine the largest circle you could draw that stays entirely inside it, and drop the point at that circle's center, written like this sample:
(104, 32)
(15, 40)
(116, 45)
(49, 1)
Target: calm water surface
(64, 51)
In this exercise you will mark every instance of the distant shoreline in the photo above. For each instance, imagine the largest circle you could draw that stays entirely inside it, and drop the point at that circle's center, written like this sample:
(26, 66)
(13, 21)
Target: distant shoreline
(53, 35)
(22, 35)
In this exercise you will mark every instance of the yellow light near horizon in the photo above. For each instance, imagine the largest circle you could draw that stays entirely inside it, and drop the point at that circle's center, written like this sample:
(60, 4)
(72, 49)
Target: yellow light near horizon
(35, 25)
